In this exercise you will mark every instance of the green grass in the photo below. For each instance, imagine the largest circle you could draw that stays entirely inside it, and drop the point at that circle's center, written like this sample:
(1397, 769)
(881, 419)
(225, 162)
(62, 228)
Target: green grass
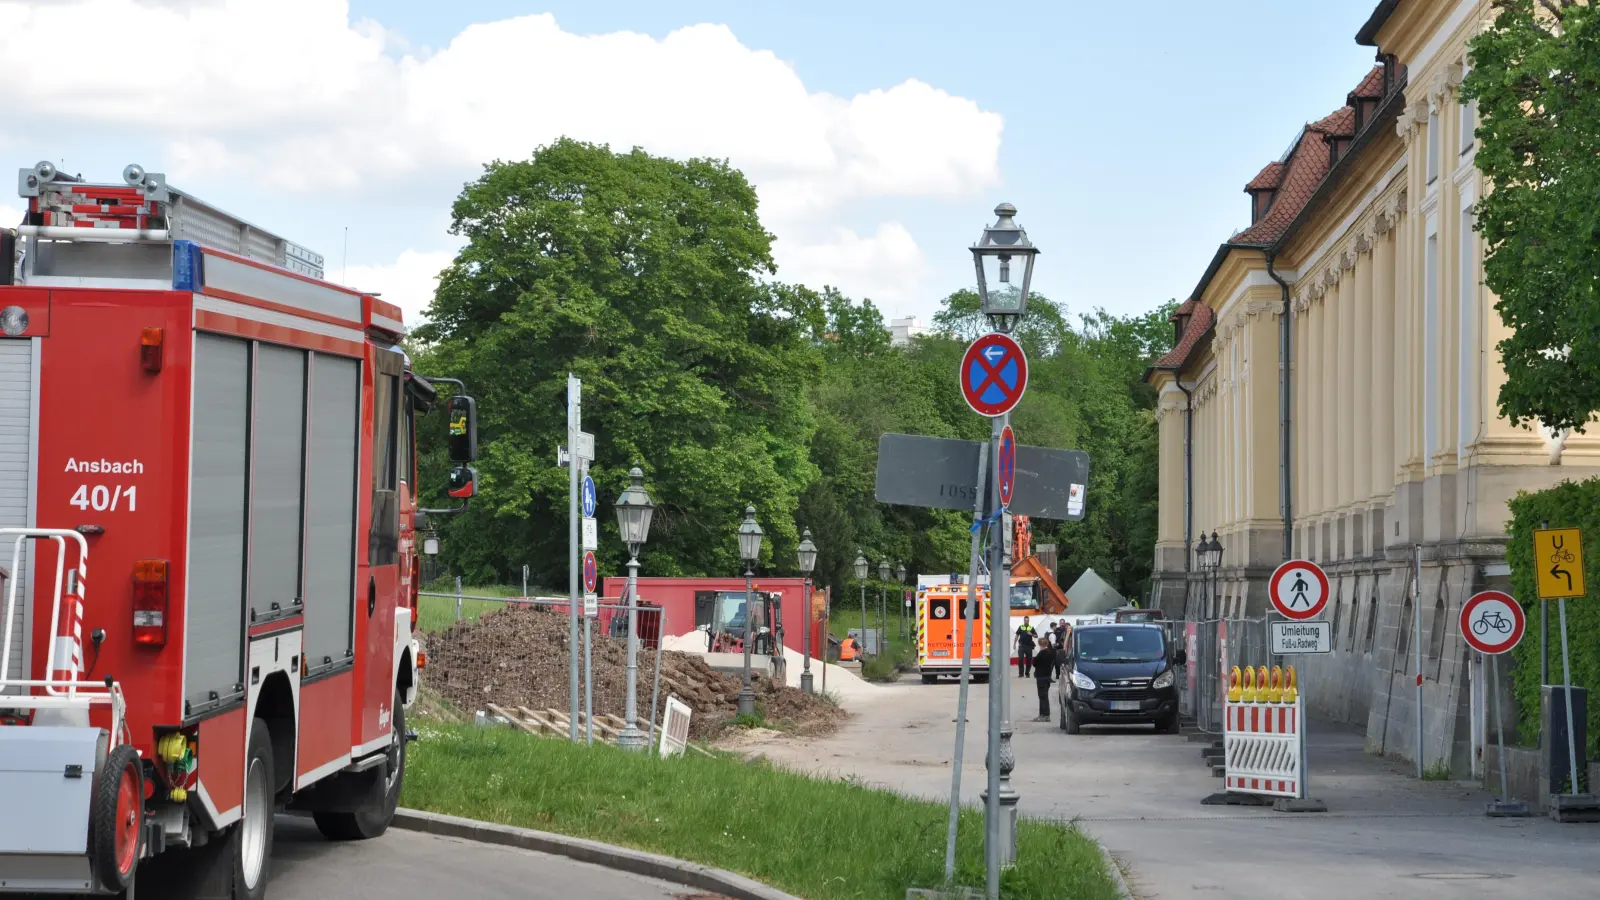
(439, 613)
(816, 839)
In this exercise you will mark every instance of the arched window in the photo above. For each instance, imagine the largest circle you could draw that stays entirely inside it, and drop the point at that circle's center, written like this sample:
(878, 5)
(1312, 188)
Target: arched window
(1372, 620)
(1402, 642)
(1338, 609)
(1436, 634)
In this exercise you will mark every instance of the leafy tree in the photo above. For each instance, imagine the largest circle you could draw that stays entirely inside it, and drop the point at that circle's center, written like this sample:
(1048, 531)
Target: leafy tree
(1536, 77)
(640, 275)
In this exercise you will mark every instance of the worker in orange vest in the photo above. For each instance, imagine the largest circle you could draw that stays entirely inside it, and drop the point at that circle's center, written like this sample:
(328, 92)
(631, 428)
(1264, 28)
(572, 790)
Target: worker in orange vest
(847, 649)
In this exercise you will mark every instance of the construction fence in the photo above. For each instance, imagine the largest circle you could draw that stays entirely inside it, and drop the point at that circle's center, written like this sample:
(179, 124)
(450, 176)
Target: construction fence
(1213, 647)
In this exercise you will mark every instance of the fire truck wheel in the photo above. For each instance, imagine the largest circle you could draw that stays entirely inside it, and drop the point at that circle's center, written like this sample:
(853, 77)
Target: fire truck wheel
(117, 820)
(373, 819)
(252, 837)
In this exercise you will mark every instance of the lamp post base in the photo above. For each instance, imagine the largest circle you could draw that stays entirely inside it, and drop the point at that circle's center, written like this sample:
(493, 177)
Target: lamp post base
(805, 682)
(631, 738)
(747, 703)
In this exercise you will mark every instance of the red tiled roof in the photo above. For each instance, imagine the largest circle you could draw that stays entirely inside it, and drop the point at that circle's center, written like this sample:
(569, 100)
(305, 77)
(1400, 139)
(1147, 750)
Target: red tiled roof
(1295, 178)
(1370, 87)
(1267, 179)
(1200, 319)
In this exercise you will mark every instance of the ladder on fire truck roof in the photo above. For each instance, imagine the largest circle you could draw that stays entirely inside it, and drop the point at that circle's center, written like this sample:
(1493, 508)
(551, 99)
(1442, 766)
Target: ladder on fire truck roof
(145, 209)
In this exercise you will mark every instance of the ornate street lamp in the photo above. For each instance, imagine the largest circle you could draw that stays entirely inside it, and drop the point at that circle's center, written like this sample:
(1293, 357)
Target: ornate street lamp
(861, 579)
(1004, 248)
(900, 576)
(883, 598)
(808, 562)
(750, 536)
(634, 510)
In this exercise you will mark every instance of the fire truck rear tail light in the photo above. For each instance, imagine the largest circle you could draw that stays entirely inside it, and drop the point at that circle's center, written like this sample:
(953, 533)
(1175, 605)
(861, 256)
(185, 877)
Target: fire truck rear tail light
(150, 341)
(150, 602)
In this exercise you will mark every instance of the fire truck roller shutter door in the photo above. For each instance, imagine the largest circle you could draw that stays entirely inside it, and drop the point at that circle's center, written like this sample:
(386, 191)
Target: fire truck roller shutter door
(277, 482)
(331, 510)
(16, 443)
(219, 466)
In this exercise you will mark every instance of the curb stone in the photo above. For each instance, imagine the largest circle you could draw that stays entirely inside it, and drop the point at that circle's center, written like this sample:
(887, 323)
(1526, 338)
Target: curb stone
(650, 865)
(1115, 869)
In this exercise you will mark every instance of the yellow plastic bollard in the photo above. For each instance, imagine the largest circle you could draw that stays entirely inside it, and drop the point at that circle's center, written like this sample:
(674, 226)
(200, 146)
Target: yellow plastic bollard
(1234, 690)
(1290, 693)
(1263, 681)
(1249, 685)
(1275, 693)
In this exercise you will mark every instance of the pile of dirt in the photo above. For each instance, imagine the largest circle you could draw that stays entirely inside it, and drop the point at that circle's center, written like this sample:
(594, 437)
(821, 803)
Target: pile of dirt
(518, 657)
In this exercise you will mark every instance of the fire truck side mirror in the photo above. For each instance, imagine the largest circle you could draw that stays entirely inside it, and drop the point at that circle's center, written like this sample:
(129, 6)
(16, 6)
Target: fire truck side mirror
(463, 483)
(463, 429)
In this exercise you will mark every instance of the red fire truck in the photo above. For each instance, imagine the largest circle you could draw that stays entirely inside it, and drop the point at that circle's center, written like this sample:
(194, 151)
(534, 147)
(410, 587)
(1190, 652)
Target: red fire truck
(231, 439)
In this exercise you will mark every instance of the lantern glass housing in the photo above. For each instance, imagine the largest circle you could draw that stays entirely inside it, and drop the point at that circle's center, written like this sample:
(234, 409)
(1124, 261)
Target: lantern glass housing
(900, 572)
(883, 570)
(750, 535)
(634, 511)
(808, 553)
(861, 568)
(1003, 258)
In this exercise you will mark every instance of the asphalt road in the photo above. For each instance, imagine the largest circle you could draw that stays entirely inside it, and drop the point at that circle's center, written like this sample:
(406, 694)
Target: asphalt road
(1385, 834)
(409, 864)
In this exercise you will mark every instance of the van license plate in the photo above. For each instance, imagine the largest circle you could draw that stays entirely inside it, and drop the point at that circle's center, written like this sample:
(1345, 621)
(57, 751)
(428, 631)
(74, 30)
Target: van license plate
(1124, 706)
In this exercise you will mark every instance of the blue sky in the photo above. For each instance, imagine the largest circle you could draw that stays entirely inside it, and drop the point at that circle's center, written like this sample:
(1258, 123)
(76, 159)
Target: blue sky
(1125, 133)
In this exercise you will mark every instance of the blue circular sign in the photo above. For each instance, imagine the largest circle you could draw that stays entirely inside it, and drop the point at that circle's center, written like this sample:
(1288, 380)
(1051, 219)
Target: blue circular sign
(591, 572)
(588, 497)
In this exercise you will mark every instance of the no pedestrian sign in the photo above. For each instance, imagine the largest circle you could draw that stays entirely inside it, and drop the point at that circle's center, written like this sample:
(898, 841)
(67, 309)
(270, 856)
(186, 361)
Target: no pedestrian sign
(1299, 589)
(1492, 622)
(994, 374)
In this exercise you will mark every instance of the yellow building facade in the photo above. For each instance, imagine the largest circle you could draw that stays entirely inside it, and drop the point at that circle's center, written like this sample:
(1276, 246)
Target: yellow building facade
(1332, 395)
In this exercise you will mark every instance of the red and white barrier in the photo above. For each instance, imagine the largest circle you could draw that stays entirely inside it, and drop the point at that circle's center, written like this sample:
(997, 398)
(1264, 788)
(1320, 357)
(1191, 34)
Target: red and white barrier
(1263, 731)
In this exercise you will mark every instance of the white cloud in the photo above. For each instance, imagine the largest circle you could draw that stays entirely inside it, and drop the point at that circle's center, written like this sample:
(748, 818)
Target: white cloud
(886, 266)
(292, 95)
(10, 216)
(408, 282)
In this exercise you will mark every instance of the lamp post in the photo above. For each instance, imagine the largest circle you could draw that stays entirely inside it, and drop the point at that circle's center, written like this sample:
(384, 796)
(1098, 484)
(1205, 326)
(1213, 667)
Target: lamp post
(808, 561)
(1003, 299)
(883, 598)
(861, 579)
(900, 575)
(1213, 562)
(749, 550)
(634, 509)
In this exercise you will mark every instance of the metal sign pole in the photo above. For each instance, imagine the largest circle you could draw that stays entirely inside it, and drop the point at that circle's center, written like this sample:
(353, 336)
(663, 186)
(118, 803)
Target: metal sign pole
(1566, 691)
(655, 691)
(1499, 726)
(827, 608)
(1416, 640)
(971, 618)
(574, 418)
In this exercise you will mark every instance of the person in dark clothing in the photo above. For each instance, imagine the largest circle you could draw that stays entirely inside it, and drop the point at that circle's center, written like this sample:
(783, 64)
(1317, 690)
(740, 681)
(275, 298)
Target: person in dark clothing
(1044, 663)
(1061, 646)
(1025, 645)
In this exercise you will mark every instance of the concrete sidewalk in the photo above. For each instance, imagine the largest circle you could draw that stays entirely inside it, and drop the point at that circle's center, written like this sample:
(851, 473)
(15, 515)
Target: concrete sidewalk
(1385, 833)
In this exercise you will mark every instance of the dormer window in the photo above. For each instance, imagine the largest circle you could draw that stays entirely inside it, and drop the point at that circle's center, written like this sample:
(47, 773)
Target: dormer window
(1260, 202)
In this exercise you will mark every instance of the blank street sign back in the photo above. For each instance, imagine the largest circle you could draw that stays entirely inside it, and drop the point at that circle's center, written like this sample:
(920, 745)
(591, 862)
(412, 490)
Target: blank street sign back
(939, 473)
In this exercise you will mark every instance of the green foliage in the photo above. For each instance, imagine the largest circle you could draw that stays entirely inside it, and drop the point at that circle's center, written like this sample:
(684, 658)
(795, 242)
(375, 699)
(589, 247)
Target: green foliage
(1567, 505)
(639, 275)
(811, 838)
(1536, 76)
(648, 279)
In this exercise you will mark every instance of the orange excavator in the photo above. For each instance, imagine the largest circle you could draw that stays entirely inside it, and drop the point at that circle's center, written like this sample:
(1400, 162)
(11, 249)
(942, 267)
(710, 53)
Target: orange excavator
(1034, 591)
